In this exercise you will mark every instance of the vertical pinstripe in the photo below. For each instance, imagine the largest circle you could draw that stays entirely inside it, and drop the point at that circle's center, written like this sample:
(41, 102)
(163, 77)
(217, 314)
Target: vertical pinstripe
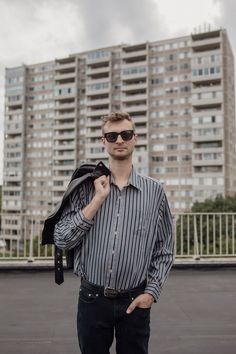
(130, 238)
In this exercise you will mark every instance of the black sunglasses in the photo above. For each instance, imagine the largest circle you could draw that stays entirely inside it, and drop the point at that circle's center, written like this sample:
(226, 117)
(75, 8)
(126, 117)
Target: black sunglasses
(126, 135)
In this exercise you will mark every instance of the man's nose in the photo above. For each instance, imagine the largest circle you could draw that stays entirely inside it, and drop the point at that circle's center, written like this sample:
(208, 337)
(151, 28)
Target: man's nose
(119, 139)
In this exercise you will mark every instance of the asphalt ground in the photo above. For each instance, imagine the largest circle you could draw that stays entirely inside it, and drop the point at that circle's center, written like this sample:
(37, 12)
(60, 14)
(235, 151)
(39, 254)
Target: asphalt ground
(196, 313)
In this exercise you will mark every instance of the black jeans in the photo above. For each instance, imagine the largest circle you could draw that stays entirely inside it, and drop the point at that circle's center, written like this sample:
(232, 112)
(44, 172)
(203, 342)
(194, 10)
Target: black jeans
(99, 317)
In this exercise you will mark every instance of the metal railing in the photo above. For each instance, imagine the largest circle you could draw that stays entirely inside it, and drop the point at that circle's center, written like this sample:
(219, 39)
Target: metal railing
(20, 238)
(198, 235)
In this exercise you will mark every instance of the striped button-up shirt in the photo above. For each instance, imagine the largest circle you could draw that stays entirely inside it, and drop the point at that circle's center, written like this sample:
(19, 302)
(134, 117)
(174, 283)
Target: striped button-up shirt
(130, 238)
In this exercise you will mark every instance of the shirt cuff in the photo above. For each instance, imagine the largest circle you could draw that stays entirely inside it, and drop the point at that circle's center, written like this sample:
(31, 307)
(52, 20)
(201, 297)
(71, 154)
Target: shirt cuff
(154, 290)
(81, 221)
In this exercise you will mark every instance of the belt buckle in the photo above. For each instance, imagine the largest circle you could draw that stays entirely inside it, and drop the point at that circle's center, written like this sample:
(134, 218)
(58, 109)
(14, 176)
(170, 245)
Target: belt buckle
(111, 293)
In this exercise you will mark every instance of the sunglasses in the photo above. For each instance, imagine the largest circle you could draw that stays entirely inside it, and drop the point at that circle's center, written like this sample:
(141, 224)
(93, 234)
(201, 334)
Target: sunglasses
(126, 135)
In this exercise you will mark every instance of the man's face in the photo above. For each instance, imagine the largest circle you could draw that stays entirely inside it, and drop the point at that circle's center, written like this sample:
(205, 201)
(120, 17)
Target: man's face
(120, 149)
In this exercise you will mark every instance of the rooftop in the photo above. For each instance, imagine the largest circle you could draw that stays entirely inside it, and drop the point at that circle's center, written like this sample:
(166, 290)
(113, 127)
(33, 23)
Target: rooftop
(196, 313)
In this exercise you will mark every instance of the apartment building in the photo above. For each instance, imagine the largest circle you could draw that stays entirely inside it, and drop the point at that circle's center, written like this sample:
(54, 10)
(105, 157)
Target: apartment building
(180, 93)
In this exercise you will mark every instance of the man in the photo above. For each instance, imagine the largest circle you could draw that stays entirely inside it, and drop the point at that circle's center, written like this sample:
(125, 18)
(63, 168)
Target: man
(121, 229)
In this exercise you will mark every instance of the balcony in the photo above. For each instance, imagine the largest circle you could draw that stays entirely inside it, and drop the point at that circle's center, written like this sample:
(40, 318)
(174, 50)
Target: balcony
(98, 102)
(64, 67)
(64, 126)
(134, 75)
(95, 155)
(65, 156)
(134, 98)
(201, 88)
(91, 123)
(101, 80)
(142, 130)
(94, 134)
(207, 44)
(99, 60)
(134, 54)
(141, 142)
(64, 145)
(12, 178)
(65, 76)
(207, 102)
(64, 106)
(64, 168)
(97, 112)
(208, 162)
(206, 78)
(64, 116)
(135, 108)
(139, 119)
(134, 86)
(65, 136)
(17, 104)
(93, 92)
(207, 137)
(97, 70)
(60, 188)
(134, 64)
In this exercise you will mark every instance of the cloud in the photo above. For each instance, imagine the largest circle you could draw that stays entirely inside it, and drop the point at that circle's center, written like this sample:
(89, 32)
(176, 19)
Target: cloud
(228, 10)
(38, 29)
(114, 22)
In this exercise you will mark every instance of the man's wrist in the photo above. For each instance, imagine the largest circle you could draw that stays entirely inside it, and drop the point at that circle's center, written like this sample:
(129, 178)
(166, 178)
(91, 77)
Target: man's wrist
(150, 296)
(91, 209)
(151, 290)
(98, 199)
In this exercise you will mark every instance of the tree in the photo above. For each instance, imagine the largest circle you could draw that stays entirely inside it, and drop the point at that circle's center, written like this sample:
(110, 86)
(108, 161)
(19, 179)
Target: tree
(0, 198)
(219, 204)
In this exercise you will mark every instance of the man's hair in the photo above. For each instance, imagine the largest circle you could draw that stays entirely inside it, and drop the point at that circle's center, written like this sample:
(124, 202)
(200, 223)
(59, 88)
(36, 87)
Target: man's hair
(116, 117)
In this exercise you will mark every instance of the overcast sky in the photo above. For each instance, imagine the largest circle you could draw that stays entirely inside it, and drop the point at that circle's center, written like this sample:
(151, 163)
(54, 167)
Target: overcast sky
(34, 31)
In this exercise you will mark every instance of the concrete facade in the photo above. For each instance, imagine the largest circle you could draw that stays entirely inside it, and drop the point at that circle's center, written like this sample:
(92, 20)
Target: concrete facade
(180, 93)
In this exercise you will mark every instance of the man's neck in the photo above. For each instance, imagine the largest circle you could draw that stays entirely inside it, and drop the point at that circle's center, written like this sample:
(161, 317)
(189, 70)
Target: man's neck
(121, 170)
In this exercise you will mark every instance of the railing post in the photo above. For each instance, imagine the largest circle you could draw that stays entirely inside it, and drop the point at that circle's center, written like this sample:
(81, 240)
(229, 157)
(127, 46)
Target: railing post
(196, 246)
(31, 258)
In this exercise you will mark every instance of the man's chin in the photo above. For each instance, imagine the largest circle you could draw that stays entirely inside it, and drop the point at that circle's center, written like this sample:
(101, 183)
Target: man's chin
(121, 157)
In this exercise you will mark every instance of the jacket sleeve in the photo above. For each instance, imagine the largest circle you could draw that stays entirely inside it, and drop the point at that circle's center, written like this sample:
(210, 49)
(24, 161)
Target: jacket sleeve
(72, 225)
(163, 253)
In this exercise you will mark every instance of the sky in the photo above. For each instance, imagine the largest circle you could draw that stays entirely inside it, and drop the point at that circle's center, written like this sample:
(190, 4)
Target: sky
(36, 31)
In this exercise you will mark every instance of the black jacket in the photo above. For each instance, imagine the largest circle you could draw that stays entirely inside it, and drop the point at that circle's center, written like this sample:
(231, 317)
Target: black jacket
(84, 172)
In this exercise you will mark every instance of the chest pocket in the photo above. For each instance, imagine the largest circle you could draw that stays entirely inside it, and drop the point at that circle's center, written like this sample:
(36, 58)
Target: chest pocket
(140, 222)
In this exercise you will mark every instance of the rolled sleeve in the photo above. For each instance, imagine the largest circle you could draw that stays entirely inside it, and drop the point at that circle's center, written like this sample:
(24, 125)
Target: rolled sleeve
(73, 225)
(81, 221)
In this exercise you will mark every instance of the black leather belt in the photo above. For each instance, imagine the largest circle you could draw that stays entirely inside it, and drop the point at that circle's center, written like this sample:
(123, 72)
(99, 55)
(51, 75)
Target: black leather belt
(113, 293)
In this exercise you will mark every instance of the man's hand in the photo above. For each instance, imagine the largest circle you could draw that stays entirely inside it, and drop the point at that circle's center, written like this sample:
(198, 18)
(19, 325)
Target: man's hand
(144, 301)
(102, 187)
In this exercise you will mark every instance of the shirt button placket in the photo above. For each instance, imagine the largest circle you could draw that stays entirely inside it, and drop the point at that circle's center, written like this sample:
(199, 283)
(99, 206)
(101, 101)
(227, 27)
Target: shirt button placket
(115, 234)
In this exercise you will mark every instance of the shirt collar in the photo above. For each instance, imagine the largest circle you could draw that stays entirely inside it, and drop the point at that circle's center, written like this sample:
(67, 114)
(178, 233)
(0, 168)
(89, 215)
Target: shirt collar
(133, 179)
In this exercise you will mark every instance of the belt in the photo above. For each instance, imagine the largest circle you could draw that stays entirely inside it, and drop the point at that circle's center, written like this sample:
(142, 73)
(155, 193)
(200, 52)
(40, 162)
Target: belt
(113, 293)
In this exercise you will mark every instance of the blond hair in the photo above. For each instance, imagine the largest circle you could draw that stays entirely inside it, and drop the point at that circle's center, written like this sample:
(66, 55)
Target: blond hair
(116, 117)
